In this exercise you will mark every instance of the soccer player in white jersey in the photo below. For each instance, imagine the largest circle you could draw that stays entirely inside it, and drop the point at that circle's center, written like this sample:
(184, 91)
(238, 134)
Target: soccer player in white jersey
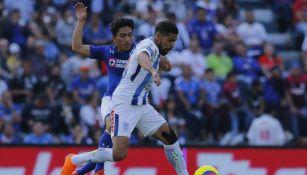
(130, 106)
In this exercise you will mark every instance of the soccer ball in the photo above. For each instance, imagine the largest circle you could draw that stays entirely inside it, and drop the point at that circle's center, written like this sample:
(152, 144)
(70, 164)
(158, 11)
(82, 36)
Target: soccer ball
(206, 170)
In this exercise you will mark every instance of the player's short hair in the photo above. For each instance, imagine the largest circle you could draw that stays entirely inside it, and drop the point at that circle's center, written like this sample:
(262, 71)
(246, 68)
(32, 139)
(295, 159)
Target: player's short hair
(120, 23)
(166, 27)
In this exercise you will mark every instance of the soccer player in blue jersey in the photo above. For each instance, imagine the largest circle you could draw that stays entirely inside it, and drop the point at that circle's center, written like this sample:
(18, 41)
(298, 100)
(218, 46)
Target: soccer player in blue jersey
(115, 57)
(130, 108)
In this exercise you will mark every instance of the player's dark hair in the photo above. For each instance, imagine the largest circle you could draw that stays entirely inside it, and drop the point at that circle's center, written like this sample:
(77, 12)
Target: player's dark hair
(166, 27)
(120, 23)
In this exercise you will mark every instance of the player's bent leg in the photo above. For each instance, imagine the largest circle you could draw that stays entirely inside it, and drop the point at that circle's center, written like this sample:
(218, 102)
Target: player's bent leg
(166, 135)
(172, 149)
(105, 141)
(120, 147)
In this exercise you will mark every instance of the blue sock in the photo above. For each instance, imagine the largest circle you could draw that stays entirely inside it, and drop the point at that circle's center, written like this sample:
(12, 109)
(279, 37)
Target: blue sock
(105, 141)
(86, 168)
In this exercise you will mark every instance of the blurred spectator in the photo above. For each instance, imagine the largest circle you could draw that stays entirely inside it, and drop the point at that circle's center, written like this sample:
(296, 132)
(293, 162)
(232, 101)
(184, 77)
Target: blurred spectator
(24, 6)
(228, 7)
(266, 131)
(55, 86)
(39, 62)
(43, 28)
(227, 29)
(179, 8)
(43, 24)
(175, 119)
(188, 89)
(245, 67)
(9, 135)
(84, 86)
(70, 67)
(194, 57)
(255, 101)
(38, 111)
(14, 59)
(274, 90)
(90, 117)
(3, 88)
(210, 7)
(252, 33)
(269, 59)
(4, 54)
(191, 98)
(144, 7)
(177, 61)
(183, 38)
(24, 84)
(67, 114)
(147, 29)
(283, 13)
(16, 30)
(203, 29)
(38, 135)
(64, 29)
(304, 54)
(212, 89)
(298, 9)
(296, 90)
(233, 100)
(160, 94)
(10, 112)
(95, 32)
(219, 61)
(301, 25)
(78, 136)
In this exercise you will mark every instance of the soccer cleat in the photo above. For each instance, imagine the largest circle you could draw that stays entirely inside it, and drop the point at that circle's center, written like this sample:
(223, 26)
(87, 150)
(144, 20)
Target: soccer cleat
(68, 167)
(100, 172)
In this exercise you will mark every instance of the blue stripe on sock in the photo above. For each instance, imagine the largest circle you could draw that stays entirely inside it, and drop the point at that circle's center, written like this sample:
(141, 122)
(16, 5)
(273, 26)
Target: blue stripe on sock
(88, 167)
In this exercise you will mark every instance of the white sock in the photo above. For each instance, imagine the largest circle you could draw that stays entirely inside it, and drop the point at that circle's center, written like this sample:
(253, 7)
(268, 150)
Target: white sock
(100, 155)
(175, 157)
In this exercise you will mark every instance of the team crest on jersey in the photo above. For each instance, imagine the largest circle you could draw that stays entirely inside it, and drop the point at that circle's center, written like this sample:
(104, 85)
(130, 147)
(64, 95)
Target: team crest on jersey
(112, 62)
(125, 126)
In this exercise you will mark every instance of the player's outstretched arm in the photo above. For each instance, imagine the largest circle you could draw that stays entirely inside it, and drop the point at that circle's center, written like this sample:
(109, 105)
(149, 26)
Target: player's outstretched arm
(77, 46)
(164, 64)
(144, 61)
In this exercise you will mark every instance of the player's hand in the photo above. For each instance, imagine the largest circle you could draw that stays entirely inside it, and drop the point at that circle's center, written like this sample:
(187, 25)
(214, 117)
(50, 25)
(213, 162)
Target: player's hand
(81, 11)
(156, 78)
(165, 64)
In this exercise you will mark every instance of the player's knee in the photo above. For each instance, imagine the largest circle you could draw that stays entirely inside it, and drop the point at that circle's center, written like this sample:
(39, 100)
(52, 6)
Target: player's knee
(170, 136)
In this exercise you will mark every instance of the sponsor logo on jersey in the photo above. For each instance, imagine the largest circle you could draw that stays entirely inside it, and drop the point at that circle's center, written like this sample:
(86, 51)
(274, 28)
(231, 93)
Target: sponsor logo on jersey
(118, 63)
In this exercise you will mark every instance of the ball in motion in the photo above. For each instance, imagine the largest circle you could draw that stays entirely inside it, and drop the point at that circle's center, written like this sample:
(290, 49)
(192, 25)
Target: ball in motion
(206, 170)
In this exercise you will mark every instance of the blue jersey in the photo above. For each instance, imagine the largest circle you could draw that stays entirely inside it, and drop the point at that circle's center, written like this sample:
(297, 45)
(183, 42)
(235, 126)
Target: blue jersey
(115, 61)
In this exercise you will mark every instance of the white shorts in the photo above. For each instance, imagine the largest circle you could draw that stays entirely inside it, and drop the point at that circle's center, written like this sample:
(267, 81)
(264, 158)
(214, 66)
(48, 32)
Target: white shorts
(126, 117)
(105, 108)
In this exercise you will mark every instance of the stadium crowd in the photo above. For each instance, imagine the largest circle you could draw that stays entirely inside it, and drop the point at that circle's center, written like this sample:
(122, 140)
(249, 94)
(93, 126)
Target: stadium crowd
(225, 73)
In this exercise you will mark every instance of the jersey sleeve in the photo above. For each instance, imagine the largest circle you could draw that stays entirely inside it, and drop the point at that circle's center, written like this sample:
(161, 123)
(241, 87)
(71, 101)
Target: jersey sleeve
(99, 52)
(148, 48)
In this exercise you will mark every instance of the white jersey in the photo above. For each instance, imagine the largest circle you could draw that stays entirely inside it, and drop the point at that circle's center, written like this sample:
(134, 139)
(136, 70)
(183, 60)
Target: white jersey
(266, 130)
(136, 82)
